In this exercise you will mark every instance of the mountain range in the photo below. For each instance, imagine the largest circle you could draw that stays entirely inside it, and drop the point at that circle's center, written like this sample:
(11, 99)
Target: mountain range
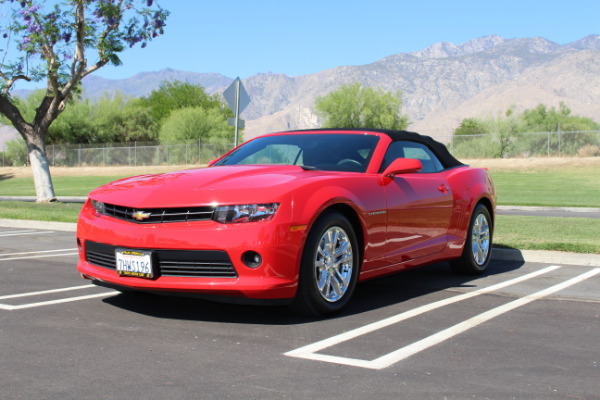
(441, 85)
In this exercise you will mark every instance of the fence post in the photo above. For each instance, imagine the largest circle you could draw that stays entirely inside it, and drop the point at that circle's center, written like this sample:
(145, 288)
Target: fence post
(548, 144)
(559, 139)
(135, 153)
(199, 147)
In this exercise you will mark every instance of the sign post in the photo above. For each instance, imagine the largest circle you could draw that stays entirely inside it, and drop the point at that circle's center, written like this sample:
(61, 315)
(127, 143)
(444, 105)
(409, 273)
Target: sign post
(237, 98)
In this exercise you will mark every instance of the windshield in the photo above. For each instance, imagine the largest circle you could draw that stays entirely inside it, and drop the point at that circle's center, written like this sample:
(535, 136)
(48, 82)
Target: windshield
(327, 152)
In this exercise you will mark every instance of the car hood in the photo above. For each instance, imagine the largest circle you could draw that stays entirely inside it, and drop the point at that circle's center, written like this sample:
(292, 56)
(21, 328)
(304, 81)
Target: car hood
(218, 185)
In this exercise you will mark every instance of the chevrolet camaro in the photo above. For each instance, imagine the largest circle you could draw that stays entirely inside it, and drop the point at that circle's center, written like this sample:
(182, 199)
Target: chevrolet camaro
(293, 217)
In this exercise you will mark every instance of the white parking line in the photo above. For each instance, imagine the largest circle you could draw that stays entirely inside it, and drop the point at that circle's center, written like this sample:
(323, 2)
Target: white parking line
(310, 351)
(72, 253)
(35, 252)
(51, 302)
(38, 254)
(24, 233)
(407, 351)
(67, 289)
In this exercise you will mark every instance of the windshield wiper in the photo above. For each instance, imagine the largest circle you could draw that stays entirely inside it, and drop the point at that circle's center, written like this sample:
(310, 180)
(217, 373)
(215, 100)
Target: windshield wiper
(308, 168)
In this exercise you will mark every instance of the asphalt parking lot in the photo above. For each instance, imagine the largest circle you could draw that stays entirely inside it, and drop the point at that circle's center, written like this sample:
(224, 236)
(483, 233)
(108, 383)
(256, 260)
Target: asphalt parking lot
(525, 331)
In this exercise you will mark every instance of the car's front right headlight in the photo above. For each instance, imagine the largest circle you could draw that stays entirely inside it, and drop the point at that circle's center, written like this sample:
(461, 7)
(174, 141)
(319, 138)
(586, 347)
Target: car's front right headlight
(98, 206)
(245, 213)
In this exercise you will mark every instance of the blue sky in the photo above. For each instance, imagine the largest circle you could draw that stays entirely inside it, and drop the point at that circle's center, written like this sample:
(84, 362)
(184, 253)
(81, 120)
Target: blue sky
(242, 38)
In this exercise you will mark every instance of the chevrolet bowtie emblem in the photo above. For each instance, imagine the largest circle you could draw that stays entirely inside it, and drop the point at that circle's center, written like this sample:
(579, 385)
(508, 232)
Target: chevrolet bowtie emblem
(140, 215)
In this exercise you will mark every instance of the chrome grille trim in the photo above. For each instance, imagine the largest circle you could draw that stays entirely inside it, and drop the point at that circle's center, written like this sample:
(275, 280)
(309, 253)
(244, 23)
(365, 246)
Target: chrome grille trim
(160, 215)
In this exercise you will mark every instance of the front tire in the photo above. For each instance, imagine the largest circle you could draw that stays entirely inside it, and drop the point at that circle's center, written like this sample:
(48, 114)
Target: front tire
(329, 267)
(476, 255)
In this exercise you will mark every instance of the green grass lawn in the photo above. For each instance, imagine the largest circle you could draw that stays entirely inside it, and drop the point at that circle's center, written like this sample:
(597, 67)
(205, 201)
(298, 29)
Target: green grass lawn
(63, 185)
(565, 187)
(571, 187)
(59, 212)
(560, 187)
(579, 235)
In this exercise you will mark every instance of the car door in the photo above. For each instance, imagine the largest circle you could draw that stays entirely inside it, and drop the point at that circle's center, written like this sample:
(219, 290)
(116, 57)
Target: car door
(419, 205)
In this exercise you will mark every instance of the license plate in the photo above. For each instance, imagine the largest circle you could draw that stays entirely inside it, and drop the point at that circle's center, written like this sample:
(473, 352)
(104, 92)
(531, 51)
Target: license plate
(134, 263)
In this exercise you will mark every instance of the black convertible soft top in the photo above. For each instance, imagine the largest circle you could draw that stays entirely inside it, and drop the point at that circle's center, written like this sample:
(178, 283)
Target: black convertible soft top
(447, 159)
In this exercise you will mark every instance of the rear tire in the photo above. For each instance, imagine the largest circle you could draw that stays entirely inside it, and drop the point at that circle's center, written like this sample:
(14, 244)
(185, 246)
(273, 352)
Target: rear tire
(476, 255)
(329, 267)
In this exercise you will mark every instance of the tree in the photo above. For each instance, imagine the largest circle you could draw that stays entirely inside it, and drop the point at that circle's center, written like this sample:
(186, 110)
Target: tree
(175, 95)
(53, 42)
(194, 123)
(354, 106)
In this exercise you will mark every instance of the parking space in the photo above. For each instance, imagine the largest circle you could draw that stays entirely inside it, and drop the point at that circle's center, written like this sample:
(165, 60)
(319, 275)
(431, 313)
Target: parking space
(525, 330)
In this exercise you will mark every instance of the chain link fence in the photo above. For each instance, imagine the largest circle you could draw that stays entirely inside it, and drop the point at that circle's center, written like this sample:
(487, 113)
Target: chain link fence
(125, 154)
(521, 145)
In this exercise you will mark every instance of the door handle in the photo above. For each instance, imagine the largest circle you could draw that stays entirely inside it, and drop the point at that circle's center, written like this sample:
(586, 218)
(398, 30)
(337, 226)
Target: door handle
(443, 188)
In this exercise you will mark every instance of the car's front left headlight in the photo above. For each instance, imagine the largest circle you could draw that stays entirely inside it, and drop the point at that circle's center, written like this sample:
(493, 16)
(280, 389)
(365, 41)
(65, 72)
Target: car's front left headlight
(245, 213)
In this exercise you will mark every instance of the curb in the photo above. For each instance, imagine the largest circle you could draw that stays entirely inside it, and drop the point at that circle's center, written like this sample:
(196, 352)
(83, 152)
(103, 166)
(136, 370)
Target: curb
(546, 257)
(533, 256)
(42, 225)
(546, 208)
(62, 199)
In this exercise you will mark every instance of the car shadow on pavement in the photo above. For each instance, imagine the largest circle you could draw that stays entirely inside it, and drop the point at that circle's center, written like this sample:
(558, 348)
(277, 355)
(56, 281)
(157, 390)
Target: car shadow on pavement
(369, 296)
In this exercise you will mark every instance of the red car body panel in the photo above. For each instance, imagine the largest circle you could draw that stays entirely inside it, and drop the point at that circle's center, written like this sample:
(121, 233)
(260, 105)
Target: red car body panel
(403, 221)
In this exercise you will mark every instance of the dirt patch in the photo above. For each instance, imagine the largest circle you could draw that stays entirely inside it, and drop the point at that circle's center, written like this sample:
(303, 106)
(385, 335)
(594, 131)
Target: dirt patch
(496, 164)
(524, 164)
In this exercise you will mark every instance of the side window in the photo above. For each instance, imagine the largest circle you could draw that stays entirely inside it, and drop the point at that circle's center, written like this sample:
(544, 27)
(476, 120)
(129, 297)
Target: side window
(395, 150)
(412, 150)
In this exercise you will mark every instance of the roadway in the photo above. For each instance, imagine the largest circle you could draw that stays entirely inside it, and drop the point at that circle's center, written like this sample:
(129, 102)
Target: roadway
(524, 330)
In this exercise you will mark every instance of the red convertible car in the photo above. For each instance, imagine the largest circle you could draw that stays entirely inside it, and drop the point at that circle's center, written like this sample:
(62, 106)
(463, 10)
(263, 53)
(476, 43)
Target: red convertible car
(293, 217)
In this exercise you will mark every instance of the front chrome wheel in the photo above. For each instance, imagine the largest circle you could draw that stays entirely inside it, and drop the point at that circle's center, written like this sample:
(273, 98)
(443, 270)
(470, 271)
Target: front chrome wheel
(480, 239)
(333, 264)
(329, 266)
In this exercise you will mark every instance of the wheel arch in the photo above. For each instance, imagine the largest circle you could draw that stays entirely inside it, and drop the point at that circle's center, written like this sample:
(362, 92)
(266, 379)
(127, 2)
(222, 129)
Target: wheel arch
(352, 216)
(488, 204)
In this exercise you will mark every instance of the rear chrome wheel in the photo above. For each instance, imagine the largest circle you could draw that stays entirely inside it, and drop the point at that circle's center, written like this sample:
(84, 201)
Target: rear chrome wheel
(329, 266)
(476, 255)
(480, 239)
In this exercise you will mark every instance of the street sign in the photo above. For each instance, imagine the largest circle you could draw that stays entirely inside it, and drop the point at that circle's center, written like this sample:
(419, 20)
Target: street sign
(231, 122)
(237, 98)
(231, 96)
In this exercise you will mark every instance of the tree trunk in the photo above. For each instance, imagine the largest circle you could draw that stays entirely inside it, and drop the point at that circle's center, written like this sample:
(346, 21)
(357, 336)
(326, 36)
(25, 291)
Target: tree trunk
(44, 189)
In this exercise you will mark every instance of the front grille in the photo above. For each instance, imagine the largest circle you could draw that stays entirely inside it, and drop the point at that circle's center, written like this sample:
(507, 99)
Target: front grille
(159, 215)
(191, 263)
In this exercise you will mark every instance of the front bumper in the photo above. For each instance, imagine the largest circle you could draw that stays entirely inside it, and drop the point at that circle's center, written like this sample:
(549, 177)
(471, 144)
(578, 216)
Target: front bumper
(275, 278)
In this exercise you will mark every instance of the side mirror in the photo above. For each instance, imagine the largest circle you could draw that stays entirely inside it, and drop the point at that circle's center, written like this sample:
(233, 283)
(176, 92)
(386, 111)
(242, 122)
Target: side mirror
(402, 166)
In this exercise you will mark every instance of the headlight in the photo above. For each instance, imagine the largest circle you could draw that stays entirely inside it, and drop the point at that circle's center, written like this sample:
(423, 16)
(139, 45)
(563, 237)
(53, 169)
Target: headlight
(98, 206)
(245, 213)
